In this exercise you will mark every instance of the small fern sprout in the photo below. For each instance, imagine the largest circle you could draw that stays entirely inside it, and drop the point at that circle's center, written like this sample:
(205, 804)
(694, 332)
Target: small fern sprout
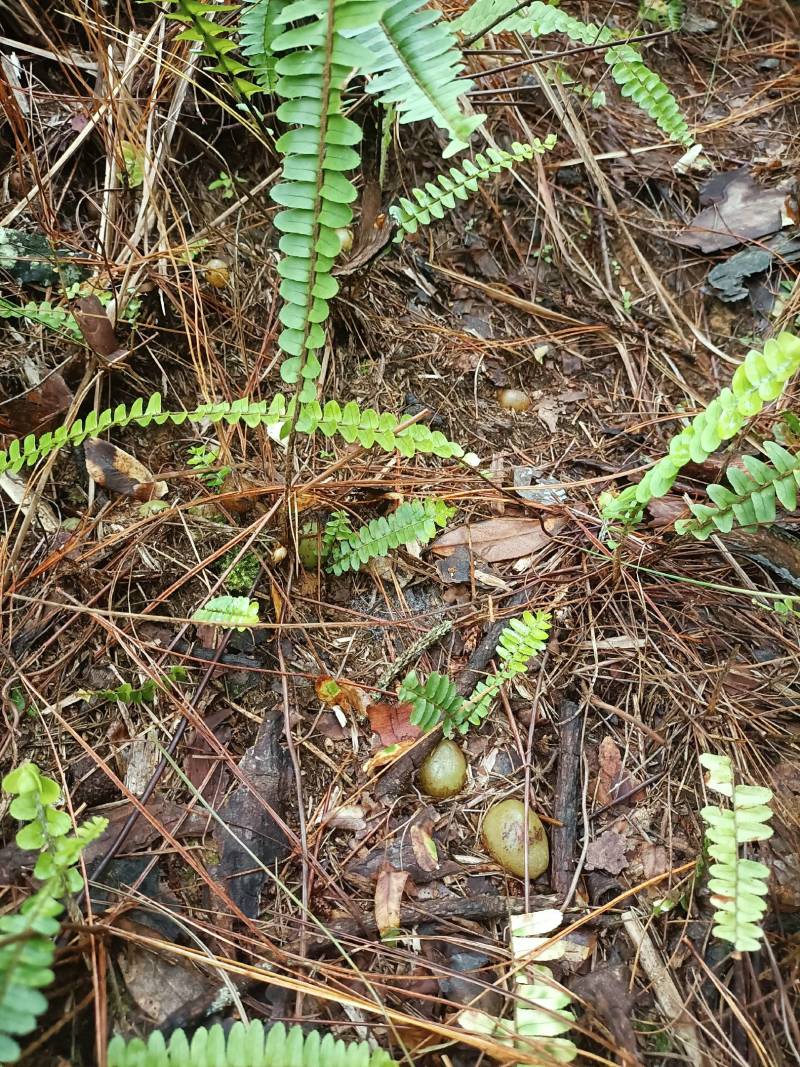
(234, 612)
(738, 886)
(440, 195)
(432, 700)
(414, 520)
(762, 377)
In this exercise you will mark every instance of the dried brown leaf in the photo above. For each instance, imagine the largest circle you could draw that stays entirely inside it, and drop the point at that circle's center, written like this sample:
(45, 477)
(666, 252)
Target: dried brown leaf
(97, 329)
(388, 895)
(391, 722)
(120, 472)
(501, 539)
(607, 853)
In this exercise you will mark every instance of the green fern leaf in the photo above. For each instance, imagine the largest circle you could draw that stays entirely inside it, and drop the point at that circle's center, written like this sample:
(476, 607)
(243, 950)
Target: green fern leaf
(738, 886)
(258, 28)
(433, 700)
(214, 38)
(414, 520)
(762, 377)
(245, 1045)
(415, 67)
(236, 612)
(441, 194)
(648, 91)
(316, 60)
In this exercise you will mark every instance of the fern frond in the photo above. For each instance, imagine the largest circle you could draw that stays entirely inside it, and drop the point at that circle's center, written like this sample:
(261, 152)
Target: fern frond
(27, 936)
(351, 423)
(414, 520)
(738, 886)
(433, 700)
(237, 612)
(415, 66)
(523, 638)
(762, 377)
(337, 528)
(258, 28)
(666, 13)
(441, 194)
(628, 69)
(215, 40)
(753, 499)
(316, 60)
(245, 1045)
(45, 313)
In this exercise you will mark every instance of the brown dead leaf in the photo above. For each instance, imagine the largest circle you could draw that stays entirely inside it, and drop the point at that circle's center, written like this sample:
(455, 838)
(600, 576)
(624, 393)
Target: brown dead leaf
(335, 692)
(654, 860)
(496, 540)
(389, 754)
(391, 722)
(612, 781)
(97, 329)
(119, 472)
(737, 209)
(37, 409)
(425, 851)
(160, 985)
(607, 853)
(388, 895)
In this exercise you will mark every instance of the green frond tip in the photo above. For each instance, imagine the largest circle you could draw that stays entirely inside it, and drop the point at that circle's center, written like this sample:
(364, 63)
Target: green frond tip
(523, 638)
(237, 612)
(245, 1045)
(315, 61)
(414, 520)
(415, 66)
(761, 378)
(366, 427)
(432, 700)
(258, 28)
(215, 40)
(441, 195)
(738, 886)
(753, 498)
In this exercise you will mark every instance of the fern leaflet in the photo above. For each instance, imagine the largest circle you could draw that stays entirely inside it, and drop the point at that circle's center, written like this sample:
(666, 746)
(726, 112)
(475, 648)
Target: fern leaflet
(215, 40)
(415, 66)
(245, 1045)
(237, 612)
(316, 60)
(258, 28)
(366, 427)
(414, 520)
(738, 886)
(54, 318)
(432, 700)
(27, 946)
(762, 377)
(442, 193)
(753, 498)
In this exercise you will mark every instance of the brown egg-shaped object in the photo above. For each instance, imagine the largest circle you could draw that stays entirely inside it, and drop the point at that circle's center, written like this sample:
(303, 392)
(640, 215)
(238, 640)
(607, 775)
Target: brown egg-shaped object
(443, 771)
(217, 273)
(503, 835)
(513, 399)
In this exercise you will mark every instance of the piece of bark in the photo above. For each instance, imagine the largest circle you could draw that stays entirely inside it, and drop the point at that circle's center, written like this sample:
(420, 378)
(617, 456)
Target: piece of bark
(267, 771)
(563, 838)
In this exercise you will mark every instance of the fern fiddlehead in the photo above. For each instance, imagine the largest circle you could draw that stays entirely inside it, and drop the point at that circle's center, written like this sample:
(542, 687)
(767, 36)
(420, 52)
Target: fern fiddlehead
(415, 66)
(352, 423)
(315, 61)
(753, 498)
(738, 886)
(442, 193)
(762, 377)
(247, 1045)
(414, 520)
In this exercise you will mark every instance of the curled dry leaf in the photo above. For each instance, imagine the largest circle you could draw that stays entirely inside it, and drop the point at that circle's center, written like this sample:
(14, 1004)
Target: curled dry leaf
(391, 722)
(425, 851)
(500, 539)
(36, 410)
(388, 895)
(119, 472)
(335, 692)
(97, 329)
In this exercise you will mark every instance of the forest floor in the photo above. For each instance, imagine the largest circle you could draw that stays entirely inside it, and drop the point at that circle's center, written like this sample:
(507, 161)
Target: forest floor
(263, 851)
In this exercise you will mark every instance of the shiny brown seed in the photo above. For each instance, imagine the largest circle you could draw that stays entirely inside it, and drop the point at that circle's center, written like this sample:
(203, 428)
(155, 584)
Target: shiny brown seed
(513, 399)
(503, 835)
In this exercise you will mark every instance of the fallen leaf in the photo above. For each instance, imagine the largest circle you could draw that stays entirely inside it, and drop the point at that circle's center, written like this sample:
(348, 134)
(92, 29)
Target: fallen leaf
(35, 410)
(204, 768)
(335, 692)
(607, 853)
(118, 471)
(348, 817)
(610, 769)
(388, 895)
(424, 847)
(160, 985)
(391, 722)
(654, 860)
(607, 990)
(390, 754)
(496, 540)
(737, 209)
(97, 329)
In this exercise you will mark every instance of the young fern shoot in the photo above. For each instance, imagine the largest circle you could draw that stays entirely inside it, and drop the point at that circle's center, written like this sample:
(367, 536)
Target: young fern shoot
(738, 886)
(414, 520)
